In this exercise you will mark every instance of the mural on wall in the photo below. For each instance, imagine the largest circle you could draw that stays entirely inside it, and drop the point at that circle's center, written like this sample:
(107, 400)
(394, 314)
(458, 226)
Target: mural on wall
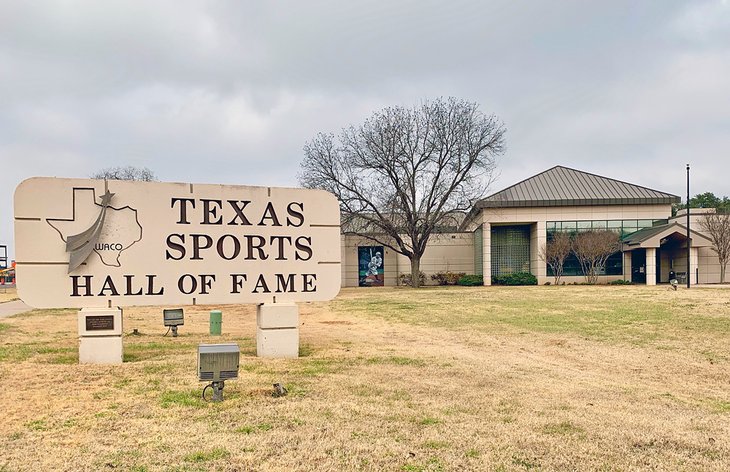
(370, 266)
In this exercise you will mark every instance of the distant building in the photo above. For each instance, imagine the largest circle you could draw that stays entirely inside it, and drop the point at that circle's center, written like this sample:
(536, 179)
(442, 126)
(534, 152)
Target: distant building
(504, 232)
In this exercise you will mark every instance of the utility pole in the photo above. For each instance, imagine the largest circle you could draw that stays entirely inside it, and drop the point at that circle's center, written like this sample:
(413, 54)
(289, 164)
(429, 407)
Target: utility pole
(689, 238)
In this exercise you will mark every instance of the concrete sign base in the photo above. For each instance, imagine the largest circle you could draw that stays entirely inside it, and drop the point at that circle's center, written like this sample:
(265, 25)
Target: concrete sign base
(277, 330)
(100, 336)
(101, 350)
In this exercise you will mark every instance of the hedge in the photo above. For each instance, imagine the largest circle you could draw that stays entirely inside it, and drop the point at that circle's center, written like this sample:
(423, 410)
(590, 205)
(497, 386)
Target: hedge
(470, 280)
(519, 278)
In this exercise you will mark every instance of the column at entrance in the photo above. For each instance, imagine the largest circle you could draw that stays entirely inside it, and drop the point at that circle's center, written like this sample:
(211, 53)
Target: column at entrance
(693, 264)
(538, 238)
(650, 266)
(487, 253)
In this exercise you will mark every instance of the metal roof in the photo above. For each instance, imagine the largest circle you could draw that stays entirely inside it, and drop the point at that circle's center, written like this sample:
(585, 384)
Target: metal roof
(638, 237)
(563, 186)
(657, 233)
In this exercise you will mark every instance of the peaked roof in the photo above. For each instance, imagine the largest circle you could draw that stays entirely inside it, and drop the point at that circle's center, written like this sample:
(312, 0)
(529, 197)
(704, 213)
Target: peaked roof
(563, 186)
(652, 237)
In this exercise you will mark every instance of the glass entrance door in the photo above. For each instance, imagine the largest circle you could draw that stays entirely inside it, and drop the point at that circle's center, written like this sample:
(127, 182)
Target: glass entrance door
(638, 266)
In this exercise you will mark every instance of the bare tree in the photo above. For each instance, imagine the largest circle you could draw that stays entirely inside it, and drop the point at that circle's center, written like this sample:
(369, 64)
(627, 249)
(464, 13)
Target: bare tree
(717, 226)
(593, 248)
(405, 172)
(554, 253)
(125, 173)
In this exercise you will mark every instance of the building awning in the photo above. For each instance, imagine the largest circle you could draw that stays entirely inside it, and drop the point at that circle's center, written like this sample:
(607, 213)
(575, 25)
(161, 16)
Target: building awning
(658, 235)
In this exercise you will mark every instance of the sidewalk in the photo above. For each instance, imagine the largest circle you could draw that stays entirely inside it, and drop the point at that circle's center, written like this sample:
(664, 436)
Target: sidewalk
(13, 308)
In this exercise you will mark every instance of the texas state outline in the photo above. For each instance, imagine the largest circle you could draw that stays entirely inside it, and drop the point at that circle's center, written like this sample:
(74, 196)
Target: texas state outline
(86, 209)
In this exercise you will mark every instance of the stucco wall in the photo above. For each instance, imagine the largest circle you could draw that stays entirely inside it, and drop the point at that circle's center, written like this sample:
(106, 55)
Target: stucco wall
(709, 266)
(445, 252)
(349, 245)
(452, 252)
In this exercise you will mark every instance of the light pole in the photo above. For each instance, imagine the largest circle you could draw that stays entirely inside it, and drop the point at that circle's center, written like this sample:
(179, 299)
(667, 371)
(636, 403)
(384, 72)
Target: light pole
(689, 239)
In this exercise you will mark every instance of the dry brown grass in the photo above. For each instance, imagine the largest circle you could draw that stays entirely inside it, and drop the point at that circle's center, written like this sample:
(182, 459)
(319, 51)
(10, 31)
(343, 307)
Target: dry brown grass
(540, 378)
(7, 294)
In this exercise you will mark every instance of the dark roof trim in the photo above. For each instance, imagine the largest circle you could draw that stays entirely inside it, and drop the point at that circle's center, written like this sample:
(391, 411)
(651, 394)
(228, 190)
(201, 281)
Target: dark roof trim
(577, 202)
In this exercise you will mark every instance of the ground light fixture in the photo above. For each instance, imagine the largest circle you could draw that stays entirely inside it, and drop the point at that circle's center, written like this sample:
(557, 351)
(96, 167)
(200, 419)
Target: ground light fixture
(216, 364)
(173, 318)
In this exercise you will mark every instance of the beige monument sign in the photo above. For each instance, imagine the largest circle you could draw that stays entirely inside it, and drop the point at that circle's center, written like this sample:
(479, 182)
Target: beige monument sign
(95, 243)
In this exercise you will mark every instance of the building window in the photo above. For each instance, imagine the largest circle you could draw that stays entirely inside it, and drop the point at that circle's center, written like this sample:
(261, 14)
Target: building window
(623, 227)
(614, 264)
(510, 249)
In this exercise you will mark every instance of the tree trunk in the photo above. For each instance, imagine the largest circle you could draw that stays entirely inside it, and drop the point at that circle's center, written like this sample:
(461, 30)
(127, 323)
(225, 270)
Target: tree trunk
(592, 274)
(415, 271)
(722, 272)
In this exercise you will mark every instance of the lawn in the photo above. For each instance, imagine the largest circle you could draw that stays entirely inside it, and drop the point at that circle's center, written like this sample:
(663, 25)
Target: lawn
(7, 294)
(488, 378)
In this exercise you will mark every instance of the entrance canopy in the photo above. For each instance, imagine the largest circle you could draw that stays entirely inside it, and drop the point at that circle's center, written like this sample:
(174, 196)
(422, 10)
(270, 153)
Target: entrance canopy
(659, 235)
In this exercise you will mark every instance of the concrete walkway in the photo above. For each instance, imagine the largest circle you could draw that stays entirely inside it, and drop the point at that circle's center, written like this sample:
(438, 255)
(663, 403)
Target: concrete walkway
(13, 308)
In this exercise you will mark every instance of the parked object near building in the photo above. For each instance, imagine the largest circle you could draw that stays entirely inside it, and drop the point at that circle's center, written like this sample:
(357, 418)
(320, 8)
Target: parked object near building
(3, 257)
(7, 272)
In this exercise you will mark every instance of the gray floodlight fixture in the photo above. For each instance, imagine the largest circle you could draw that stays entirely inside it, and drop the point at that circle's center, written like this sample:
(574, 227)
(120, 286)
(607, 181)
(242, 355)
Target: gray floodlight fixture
(216, 364)
(173, 317)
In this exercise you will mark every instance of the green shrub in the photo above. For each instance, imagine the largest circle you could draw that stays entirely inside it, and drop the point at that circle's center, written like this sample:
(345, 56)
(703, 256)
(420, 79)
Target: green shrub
(471, 280)
(405, 279)
(620, 282)
(519, 278)
(447, 277)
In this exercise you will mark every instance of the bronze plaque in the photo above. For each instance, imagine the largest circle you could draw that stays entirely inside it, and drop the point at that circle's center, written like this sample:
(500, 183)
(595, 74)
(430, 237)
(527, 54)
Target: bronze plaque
(100, 323)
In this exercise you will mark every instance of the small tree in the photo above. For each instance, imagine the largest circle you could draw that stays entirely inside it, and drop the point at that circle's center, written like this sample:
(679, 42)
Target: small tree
(704, 200)
(554, 253)
(717, 226)
(125, 173)
(406, 172)
(593, 248)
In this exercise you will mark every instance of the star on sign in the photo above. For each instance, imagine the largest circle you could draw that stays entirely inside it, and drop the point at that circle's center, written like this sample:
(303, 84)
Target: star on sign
(106, 198)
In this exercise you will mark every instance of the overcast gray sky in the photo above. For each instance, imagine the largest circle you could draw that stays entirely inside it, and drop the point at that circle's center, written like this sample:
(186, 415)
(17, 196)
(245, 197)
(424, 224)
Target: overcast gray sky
(228, 92)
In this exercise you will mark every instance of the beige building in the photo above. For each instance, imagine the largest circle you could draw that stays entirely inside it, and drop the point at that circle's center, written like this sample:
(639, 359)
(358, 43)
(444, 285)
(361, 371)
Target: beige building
(453, 252)
(504, 232)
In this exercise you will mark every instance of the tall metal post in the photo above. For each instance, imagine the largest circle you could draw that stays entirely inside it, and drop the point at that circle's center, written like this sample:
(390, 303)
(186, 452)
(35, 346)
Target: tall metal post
(689, 239)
